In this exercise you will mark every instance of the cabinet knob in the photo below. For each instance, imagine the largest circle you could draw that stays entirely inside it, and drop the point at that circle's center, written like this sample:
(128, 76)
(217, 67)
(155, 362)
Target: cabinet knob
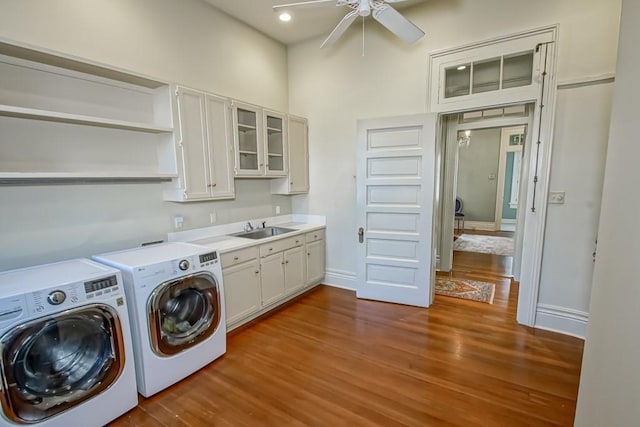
(282, 263)
(286, 262)
(257, 271)
(297, 241)
(270, 249)
(235, 258)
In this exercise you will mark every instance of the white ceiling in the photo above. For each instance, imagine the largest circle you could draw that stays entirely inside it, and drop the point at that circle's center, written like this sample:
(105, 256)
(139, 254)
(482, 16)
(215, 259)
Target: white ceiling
(306, 23)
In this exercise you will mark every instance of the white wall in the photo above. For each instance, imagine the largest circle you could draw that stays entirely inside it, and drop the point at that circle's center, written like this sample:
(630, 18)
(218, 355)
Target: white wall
(577, 168)
(185, 41)
(475, 163)
(610, 379)
(335, 87)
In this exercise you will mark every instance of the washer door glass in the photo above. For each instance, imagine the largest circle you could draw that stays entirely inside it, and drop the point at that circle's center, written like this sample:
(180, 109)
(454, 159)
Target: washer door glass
(183, 313)
(54, 363)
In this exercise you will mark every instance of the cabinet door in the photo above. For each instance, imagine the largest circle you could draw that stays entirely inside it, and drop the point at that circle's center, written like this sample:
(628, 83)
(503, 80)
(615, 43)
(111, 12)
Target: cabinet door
(272, 278)
(219, 137)
(241, 290)
(248, 140)
(315, 262)
(294, 268)
(192, 144)
(298, 155)
(275, 132)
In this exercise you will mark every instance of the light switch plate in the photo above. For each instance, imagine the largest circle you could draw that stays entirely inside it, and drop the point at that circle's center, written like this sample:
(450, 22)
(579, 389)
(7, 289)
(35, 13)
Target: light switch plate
(556, 197)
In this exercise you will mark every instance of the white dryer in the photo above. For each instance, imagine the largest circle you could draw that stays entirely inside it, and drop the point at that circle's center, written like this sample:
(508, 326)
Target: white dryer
(66, 353)
(176, 310)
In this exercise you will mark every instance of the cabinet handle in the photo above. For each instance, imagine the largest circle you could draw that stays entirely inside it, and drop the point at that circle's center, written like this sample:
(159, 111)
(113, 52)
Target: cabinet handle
(270, 249)
(235, 258)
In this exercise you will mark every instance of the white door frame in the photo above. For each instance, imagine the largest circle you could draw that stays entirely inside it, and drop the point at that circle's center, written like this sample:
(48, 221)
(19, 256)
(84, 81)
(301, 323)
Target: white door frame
(505, 148)
(538, 163)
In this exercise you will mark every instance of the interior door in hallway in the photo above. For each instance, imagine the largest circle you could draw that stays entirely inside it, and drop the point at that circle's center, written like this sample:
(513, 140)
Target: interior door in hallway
(395, 198)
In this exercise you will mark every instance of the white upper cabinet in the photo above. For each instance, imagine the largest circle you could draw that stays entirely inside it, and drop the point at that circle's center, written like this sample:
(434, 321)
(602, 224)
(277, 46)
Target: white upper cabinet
(260, 141)
(248, 140)
(203, 143)
(275, 143)
(297, 181)
(65, 118)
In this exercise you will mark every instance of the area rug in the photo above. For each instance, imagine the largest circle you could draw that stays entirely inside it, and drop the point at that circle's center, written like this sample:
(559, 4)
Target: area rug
(484, 244)
(466, 289)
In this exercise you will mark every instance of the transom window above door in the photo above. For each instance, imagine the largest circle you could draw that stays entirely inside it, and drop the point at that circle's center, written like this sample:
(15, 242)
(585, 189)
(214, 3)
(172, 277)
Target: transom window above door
(493, 72)
(488, 75)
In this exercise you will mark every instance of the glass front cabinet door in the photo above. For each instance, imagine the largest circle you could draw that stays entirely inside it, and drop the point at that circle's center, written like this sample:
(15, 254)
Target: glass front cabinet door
(275, 144)
(247, 123)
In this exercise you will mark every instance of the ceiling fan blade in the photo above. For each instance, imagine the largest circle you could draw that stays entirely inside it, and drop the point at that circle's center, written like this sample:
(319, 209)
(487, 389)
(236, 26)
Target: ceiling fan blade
(393, 21)
(340, 28)
(311, 3)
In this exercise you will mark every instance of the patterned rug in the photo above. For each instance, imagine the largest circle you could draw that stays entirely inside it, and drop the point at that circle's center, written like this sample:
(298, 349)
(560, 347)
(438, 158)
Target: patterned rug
(484, 244)
(466, 289)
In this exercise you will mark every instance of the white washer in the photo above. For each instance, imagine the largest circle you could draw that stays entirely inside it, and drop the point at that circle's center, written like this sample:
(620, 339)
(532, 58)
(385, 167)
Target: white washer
(176, 309)
(66, 353)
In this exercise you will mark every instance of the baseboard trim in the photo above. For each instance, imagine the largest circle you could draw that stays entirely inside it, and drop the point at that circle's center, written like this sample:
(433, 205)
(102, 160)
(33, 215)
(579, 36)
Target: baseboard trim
(340, 279)
(562, 320)
(479, 225)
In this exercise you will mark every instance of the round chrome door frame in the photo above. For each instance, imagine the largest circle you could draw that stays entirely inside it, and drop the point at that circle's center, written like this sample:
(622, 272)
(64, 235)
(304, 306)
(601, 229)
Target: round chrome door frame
(207, 288)
(24, 405)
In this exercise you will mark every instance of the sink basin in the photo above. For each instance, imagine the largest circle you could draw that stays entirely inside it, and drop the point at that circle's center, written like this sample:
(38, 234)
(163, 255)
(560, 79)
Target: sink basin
(262, 233)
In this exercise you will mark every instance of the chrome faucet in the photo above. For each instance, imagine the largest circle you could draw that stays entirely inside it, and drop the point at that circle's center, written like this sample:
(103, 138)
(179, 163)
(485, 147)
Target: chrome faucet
(248, 227)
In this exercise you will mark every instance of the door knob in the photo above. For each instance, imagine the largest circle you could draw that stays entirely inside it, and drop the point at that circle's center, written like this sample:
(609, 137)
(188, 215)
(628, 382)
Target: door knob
(361, 235)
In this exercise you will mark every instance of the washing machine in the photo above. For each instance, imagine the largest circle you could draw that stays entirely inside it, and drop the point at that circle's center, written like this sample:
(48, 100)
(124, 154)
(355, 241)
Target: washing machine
(176, 308)
(66, 354)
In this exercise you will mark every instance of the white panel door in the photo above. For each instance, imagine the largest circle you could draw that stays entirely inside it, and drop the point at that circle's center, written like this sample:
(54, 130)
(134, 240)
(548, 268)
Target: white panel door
(395, 193)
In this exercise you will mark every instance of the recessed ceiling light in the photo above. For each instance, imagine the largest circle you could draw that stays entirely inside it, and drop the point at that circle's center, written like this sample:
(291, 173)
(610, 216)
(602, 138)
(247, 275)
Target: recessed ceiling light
(285, 17)
(462, 67)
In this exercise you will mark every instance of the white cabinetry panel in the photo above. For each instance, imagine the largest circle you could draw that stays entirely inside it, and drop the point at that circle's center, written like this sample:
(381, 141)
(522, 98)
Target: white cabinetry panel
(204, 149)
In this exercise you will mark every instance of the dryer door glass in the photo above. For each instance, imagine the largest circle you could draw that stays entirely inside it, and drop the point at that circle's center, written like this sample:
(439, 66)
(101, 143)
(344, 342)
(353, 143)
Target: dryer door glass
(54, 363)
(183, 313)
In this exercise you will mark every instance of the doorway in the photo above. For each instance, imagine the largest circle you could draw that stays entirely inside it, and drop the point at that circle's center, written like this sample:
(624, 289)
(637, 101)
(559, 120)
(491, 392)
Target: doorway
(481, 149)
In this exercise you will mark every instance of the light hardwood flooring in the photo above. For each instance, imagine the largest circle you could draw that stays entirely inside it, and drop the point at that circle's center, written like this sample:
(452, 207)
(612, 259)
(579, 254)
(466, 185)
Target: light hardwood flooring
(329, 359)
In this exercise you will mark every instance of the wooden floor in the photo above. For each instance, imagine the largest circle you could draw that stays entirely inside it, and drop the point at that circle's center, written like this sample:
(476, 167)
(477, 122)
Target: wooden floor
(330, 359)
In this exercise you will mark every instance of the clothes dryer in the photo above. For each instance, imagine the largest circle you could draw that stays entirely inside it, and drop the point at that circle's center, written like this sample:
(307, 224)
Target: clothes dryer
(66, 354)
(177, 310)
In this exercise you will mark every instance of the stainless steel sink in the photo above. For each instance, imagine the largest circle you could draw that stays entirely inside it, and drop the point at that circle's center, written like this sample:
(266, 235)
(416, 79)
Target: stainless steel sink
(262, 233)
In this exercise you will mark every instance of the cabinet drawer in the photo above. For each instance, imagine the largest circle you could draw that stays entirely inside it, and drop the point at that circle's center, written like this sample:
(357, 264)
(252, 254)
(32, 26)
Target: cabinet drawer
(239, 256)
(281, 245)
(313, 236)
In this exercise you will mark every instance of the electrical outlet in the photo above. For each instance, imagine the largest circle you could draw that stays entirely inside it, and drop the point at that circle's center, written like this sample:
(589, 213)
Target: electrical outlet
(213, 218)
(277, 210)
(178, 222)
(556, 197)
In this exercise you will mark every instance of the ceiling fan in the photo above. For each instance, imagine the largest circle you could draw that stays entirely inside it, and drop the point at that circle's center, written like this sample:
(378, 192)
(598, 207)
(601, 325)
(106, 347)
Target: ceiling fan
(390, 18)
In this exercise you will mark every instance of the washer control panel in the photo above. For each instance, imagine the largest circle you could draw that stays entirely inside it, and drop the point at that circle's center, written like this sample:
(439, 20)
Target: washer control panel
(209, 258)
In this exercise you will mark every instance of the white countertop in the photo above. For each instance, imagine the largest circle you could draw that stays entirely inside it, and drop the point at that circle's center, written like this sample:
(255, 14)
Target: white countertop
(220, 238)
